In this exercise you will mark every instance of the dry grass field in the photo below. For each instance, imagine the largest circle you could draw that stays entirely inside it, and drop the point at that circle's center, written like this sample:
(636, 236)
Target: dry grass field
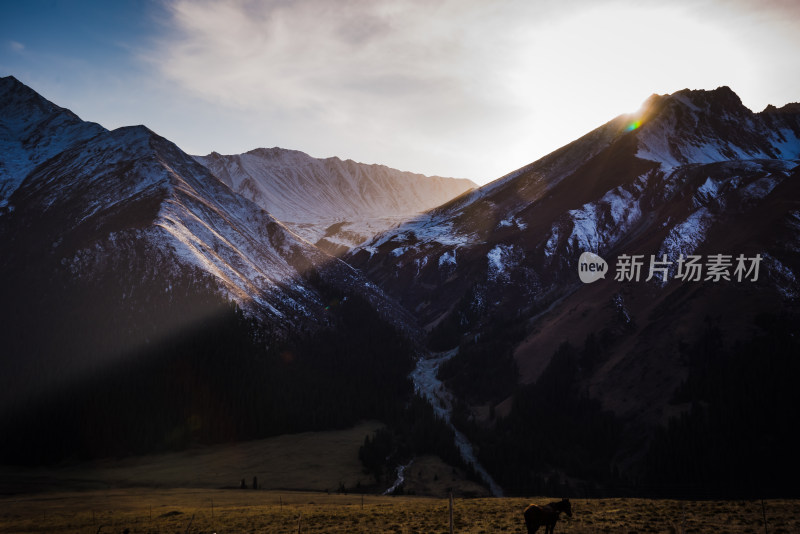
(182, 511)
(310, 461)
(184, 493)
(315, 461)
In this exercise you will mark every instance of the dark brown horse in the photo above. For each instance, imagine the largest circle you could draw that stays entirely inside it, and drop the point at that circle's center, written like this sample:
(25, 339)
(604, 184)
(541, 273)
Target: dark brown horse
(547, 515)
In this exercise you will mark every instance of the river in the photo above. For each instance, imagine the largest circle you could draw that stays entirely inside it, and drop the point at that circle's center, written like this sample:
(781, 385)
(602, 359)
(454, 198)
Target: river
(431, 388)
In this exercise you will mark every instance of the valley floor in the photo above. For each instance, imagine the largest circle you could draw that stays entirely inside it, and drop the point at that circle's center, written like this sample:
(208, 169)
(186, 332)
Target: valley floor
(185, 493)
(203, 510)
(310, 461)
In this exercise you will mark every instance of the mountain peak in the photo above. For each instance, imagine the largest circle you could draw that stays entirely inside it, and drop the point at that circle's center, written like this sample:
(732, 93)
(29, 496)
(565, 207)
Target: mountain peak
(35, 130)
(10, 82)
(275, 152)
(137, 132)
(330, 201)
(19, 103)
(790, 108)
(703, 126)
(722, 100)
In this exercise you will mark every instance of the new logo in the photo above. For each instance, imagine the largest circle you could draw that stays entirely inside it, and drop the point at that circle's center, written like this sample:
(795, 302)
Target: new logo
(591, 267)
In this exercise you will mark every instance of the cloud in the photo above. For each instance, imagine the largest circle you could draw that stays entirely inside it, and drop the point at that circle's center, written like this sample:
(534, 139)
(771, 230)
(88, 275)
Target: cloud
(407, 72)
(460, 87)
(319, 55)
(16, 46)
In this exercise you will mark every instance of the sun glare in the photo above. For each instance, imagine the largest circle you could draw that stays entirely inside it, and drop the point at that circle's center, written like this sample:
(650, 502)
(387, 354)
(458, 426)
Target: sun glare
(589, 66)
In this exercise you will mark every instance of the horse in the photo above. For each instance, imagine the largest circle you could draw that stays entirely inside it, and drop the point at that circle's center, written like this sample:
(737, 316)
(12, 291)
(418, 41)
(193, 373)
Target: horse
(547, 515)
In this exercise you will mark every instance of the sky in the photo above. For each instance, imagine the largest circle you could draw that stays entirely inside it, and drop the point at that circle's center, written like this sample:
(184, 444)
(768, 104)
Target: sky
(463, 88)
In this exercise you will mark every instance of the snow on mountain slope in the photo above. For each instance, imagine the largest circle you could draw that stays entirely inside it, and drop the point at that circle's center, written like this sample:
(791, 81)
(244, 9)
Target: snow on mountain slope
(694, 173)
(32, 130)
(329, 201)
(129, 189)
(704, 127)
(594, 194)
(495, 271)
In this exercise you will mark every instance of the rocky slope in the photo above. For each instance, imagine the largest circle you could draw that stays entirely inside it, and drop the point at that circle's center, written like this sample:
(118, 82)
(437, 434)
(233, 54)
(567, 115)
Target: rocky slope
(333, 203)
(695, 172)
(125, 238)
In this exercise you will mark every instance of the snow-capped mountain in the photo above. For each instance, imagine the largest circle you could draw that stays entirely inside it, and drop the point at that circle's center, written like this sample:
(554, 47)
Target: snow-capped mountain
(31, 131)
(109, 239)
(147, 306)
(695, 172)
(113, 243)
(333, 203)
(77, 195)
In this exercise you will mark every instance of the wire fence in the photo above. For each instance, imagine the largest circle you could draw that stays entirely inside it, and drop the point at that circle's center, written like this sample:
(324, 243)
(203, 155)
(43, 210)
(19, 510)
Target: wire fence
(270, 512)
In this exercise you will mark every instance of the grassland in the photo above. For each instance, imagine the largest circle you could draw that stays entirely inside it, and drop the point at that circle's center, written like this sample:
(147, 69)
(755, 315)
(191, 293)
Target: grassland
(185, 493)
(240, 511)
(315, 461)
(310, 461)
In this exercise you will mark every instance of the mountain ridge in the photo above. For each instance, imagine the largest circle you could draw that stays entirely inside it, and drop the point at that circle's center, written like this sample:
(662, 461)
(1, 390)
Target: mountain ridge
(120, 222)
(33, 129)
(560, 384)
(248, 250)
(149, 307)
(331, 202)
(494, 272)
(602, 169)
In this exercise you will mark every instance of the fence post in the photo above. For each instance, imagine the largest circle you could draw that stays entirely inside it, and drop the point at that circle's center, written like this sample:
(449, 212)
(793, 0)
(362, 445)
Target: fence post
(683, 518)
(451, 512)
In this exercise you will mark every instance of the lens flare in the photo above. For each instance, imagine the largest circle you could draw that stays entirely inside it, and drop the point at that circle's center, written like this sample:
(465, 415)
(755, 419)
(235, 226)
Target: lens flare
(633, 125)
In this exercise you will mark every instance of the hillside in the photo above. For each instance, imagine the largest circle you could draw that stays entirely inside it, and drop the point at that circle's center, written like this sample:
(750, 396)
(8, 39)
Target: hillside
(332, 203)
(495, 273)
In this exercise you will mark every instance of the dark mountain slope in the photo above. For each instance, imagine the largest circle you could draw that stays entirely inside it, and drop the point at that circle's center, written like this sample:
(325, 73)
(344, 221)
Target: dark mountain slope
(118, 251)
(495, 271)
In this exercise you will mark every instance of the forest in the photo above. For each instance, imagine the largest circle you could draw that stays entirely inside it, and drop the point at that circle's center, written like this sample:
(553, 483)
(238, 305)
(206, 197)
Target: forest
(734, 437)
(135, 362)
(138, 362)
(738, 438)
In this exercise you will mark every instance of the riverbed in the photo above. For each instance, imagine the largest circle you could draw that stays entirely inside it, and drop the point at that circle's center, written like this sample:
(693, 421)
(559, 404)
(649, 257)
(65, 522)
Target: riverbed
(428, 385)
